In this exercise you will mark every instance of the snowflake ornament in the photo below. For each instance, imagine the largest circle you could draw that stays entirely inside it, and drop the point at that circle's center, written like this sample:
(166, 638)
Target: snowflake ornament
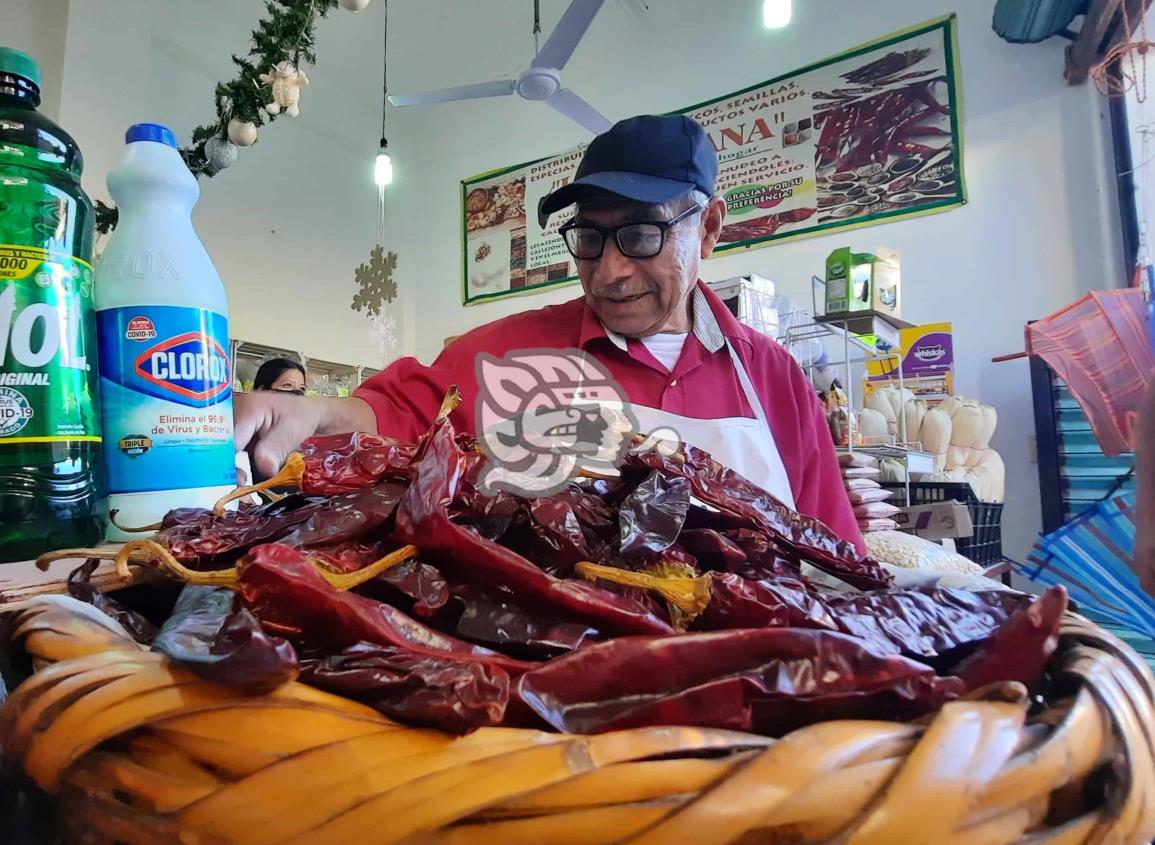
(375, 282)
(383, 333)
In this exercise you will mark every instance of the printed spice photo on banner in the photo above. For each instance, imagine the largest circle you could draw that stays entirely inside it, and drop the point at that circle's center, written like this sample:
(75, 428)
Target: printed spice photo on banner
(885, 141)
(493, 206)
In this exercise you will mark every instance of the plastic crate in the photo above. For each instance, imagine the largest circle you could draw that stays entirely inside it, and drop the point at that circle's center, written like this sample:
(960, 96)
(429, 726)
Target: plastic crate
(985, 547)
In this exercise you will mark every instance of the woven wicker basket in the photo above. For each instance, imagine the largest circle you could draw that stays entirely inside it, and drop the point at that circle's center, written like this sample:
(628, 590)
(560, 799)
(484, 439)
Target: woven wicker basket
(141, 753)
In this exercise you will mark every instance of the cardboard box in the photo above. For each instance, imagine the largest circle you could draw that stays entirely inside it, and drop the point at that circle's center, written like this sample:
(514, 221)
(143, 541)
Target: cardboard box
(938, 521)
(863, 282)
(927, 362)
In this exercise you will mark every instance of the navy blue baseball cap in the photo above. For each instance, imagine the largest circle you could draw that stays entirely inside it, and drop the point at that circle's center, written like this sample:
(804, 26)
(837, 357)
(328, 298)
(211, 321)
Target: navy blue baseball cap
(650, 159)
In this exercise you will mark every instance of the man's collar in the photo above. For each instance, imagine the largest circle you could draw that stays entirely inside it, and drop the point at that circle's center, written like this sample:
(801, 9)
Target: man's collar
(711, 332)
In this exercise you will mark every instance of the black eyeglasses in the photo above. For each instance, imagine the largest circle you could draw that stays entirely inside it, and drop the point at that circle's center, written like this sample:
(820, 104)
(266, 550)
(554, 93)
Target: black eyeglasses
(587, 242)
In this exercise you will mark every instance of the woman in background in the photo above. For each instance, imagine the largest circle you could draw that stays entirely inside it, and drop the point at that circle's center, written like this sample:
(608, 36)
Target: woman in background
(282, 375)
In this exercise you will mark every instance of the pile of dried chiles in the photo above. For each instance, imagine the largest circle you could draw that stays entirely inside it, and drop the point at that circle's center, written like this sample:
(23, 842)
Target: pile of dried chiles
(673, 595)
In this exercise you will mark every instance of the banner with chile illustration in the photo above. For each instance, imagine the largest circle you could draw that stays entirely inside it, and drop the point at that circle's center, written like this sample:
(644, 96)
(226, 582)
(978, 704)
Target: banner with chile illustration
(870, 135)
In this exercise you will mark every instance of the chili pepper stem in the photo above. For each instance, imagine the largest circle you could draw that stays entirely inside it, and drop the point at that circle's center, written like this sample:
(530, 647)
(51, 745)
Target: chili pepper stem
(449, 403)
(143, 529)
(48, 558)
(164, 558)
(689, 595)
(155, 552)
(595, 476)
(350, 580)
(678, 457)
(291, 474)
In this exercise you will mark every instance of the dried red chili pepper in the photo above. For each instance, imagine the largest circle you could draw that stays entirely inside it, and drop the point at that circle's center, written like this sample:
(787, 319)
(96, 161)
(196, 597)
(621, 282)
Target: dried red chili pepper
(362, 514)
(289, 596)
(80, 588)
(652, 516)
(338, 463)
(805, 536)
(349, 556)
(422, 586)
(208, 541)
(1020, 648)
(737, 602)
(499, 623)
(713, 549)
(763, 558)
(559, 530)
(771, 681)
(423, 519)
(923, 624)
(343, 530)
(443, 693)
(208, 636)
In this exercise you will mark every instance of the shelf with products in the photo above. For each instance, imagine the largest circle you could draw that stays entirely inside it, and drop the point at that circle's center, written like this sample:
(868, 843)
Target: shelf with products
(856, 350)
(323, 378)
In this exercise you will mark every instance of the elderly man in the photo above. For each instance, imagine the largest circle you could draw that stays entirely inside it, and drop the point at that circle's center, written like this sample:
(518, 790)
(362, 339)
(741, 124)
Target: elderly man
(646, 216)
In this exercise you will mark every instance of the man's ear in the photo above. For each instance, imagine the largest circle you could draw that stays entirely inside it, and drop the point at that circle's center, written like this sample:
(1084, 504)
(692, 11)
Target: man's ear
(712, 219)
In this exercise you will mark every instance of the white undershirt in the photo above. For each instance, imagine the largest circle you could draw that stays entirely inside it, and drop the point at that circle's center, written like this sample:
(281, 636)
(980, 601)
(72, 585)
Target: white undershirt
(666, 347)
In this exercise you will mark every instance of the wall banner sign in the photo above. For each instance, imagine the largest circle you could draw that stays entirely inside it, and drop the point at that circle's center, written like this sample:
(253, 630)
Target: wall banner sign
(869, 136)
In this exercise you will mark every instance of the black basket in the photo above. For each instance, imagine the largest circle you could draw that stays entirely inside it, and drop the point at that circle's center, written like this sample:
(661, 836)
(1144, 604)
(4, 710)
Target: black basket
(985, 547)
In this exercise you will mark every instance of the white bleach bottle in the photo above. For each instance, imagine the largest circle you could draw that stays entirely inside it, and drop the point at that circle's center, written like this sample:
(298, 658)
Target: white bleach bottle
(165, 368)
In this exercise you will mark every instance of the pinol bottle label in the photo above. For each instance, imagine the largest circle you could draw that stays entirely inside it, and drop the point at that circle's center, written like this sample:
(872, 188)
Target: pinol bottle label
(47, 360)
(167, 387)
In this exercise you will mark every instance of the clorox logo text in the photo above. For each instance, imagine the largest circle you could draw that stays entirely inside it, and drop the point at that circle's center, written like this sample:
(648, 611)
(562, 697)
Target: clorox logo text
(190, 366)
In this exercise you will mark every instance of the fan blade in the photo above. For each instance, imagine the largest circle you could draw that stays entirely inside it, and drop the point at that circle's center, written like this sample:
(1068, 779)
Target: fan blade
(568, 32)
(579, 111)
(497, 88)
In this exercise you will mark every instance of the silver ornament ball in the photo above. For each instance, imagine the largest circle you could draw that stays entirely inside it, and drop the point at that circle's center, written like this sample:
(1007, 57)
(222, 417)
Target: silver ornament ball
(353, 5)
(220, 153)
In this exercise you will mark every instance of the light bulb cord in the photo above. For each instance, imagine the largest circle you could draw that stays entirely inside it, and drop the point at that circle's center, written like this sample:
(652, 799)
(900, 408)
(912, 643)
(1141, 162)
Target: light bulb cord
(384, 70)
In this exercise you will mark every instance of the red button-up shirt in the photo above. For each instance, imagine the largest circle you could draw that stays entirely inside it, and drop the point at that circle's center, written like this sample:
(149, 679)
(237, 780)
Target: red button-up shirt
(703, 385)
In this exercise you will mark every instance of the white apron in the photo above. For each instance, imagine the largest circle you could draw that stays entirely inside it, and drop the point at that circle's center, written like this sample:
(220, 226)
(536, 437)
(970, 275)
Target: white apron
(738, 443)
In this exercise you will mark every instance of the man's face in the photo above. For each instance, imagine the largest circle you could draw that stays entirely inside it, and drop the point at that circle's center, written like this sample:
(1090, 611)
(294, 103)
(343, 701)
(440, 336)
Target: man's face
(637, 297)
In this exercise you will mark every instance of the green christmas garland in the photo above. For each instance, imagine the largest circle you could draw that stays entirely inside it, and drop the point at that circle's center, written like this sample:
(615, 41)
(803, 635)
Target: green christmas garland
(286, 33)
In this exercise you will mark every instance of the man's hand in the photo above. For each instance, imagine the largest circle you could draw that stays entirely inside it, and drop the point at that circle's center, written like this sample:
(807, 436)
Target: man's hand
(271, 425)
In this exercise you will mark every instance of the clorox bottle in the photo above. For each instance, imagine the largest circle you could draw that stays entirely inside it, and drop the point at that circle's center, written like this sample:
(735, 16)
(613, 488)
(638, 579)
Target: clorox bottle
(165, 368)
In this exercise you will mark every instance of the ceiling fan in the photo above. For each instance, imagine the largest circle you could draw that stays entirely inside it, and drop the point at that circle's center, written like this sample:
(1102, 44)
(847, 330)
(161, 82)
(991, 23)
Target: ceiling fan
(542, 79)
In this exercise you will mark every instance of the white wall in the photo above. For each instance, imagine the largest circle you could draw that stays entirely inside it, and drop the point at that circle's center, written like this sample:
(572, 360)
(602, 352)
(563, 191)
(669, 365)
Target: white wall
(289, 223)
(37, 27)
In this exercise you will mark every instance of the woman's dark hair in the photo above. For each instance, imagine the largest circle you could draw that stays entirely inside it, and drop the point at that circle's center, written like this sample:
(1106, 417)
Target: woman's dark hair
(273, 369)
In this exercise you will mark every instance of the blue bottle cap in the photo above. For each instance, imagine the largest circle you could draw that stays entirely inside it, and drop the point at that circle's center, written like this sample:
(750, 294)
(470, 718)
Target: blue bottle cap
(150, 132)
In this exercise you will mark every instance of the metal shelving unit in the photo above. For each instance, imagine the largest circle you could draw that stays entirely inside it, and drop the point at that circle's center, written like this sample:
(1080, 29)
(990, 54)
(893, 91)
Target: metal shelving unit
(856, 351)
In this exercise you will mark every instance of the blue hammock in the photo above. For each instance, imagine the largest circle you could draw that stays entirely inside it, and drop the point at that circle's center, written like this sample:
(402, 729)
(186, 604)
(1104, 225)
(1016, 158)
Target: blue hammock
(1089, 556)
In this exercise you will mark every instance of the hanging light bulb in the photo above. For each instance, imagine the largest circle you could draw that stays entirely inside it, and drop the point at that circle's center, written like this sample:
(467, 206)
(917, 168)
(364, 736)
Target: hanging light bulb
(383, 166)
(776, 13)
(383, 163)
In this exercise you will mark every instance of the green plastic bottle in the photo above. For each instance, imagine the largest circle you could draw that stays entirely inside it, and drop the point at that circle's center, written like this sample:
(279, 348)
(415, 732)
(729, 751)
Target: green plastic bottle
(52, 491)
